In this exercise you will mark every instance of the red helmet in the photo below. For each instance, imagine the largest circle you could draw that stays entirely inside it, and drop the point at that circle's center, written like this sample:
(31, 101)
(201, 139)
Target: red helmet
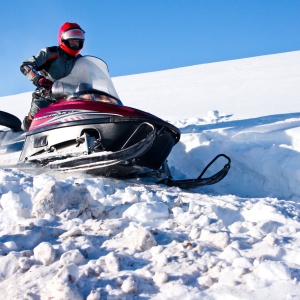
(67, 32)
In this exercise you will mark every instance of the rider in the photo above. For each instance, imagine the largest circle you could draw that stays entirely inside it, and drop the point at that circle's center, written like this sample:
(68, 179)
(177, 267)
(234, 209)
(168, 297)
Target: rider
(50, 64)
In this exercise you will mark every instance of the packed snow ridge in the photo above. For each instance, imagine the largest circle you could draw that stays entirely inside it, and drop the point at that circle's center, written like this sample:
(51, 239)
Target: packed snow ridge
(81, 237)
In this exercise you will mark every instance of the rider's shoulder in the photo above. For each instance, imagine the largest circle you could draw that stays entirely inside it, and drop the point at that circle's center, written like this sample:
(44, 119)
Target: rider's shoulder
(49, 50)
(53, 49)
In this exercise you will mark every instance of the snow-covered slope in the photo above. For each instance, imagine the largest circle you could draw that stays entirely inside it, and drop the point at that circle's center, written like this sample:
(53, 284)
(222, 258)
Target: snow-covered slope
(78, 237)
(244, 88)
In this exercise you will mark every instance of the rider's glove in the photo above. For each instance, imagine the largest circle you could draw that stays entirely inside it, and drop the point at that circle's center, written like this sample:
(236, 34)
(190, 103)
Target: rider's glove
(41, 81)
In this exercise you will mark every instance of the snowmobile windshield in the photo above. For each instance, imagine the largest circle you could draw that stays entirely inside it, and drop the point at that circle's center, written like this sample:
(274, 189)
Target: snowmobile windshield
(88, 80)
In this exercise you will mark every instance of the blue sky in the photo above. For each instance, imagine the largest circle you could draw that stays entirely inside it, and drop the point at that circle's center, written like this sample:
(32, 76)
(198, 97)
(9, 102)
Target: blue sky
(138, 36)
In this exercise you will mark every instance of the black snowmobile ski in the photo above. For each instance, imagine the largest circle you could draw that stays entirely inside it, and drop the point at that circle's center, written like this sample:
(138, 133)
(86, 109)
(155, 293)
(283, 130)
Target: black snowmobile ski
(10, 121)
(199, 181)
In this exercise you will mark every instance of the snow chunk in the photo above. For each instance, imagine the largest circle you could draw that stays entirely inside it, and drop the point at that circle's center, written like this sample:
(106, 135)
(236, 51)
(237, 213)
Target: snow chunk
(72, 256)
(172, 290)
(228, 215)
(71, 233)
(129, 285)
(268, 226)
(67, 274)
(227, 277)
(9, 265)
(11, 246)
(147, 212)
(242, 262)
(212, 116)
(272, 271)
(139, 238)
(45, 253)
(130, 196)
(262, 212)
(94, 295)
(229, 254)
(56, 197)
(206, 281)
(42, 180)
(220, 239)
(12, 205)
(96, 209)
(25, 263)
(63, 284)
(112, 262)
(160, 277)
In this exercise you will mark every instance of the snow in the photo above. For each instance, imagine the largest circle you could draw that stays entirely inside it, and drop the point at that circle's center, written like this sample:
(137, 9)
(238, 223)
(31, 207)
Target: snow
(74, 236)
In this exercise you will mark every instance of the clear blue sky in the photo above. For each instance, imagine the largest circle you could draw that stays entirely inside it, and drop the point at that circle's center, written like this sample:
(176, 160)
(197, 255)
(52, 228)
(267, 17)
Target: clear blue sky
(137, 36)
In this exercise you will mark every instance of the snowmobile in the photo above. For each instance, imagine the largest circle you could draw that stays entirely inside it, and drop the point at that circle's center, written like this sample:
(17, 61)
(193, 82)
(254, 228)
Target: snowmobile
(87, 128)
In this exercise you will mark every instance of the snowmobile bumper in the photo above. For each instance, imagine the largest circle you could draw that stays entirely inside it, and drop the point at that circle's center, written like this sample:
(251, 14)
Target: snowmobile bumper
(107, 163)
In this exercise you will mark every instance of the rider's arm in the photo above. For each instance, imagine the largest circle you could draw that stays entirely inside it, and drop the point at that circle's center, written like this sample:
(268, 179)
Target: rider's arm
(31, 67)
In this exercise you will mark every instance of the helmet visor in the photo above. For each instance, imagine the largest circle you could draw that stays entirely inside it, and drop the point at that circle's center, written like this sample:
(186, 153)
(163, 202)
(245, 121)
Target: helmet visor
(74, 34)
(74, 44)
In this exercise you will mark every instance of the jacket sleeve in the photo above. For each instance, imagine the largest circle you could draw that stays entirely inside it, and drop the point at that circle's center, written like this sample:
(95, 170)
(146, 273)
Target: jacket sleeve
(31, 67)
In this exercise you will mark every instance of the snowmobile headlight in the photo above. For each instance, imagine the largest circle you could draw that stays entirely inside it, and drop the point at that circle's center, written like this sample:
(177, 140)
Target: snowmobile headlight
(40, 141)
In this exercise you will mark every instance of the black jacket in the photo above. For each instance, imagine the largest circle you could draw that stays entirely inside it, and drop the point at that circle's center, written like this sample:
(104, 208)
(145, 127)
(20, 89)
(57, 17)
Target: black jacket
(51, 62)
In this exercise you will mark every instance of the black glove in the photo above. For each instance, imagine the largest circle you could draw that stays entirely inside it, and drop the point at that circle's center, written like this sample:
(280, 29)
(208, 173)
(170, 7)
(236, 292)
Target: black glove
(41, 81)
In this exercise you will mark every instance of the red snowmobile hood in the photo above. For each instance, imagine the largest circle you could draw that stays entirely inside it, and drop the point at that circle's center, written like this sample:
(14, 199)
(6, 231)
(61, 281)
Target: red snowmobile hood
(70, 111)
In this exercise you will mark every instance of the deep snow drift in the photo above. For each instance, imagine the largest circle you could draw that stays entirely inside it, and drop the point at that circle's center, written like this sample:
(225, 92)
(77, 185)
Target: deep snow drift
(80, 237)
